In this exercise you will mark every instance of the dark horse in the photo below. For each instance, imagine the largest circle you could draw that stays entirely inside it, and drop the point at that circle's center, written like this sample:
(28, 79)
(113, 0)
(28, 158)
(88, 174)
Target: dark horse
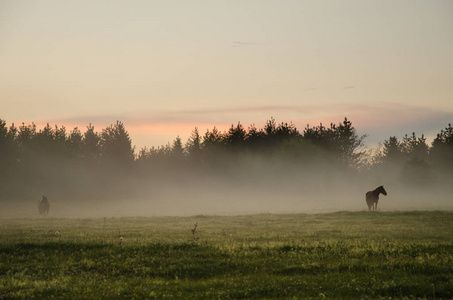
(372, 197)
(44, 206)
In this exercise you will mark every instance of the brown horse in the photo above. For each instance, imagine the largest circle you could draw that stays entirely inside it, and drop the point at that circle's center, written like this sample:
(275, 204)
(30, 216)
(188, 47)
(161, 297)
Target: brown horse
(44, 206)
(372, 197)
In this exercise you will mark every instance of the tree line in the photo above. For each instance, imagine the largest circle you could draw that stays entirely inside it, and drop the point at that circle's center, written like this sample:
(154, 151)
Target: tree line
(105, 164)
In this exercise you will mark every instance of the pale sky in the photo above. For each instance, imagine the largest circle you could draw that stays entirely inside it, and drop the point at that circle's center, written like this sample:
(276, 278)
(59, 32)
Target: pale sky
(166, 67)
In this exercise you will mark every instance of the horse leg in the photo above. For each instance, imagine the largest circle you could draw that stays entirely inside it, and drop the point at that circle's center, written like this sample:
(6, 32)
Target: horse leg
(369, 203)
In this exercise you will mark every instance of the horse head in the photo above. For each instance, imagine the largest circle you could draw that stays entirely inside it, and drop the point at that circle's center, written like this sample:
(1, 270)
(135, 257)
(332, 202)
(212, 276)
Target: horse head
(382, 190)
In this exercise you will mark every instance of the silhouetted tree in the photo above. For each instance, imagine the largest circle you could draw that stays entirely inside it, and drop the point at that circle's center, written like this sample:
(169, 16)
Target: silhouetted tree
(177, 150)
(116, 146)
(153, 159)
(235, 138)
(393, 151)
(91, 146)
(342, 141)
(349, 143)
(273, 135)
(286, 130)
(415, 147)
(255, 138)
(25, 137)
(442, 148)
(212, 140)
(9, 159)
(445, 137)
(416, 171)
(270, 128)
(8, 146)
(193, 146)
(75, 142)
(321, 136)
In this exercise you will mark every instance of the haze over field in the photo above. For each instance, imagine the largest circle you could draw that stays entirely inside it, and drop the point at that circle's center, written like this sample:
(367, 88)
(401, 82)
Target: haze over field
(275, 169)
(164, 68)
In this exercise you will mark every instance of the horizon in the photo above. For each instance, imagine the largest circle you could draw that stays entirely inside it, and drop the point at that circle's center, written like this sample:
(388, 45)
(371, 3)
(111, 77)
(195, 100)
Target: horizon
(162, 137)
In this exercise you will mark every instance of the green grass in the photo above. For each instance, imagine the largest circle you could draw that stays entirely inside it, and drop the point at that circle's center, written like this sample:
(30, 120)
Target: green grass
(338, 255)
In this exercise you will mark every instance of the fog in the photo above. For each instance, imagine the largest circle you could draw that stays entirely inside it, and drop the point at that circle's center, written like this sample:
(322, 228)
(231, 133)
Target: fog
(272, 170)
(250, 185)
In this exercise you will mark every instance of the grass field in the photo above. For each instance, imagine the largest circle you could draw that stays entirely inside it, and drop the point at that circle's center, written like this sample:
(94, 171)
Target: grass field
(336, 255)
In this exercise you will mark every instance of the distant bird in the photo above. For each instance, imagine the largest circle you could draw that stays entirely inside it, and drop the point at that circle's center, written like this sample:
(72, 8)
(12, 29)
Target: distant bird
(44, 206)
(372, 197)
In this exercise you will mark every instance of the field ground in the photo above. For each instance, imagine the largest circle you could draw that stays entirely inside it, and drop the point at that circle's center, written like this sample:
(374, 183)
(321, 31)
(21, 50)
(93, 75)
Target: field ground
(336, 255)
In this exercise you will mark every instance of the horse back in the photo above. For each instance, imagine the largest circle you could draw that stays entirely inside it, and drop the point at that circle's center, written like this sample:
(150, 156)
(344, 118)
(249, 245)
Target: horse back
(371, 196)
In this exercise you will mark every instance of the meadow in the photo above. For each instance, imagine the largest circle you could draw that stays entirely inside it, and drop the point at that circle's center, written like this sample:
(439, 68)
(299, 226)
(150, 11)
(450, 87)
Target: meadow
(368, 255)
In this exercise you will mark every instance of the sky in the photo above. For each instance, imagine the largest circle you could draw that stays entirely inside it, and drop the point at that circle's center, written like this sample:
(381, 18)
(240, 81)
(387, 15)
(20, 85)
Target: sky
(165, 67)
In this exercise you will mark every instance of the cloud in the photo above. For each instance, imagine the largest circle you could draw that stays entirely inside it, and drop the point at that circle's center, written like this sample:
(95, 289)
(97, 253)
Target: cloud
(379, 115)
